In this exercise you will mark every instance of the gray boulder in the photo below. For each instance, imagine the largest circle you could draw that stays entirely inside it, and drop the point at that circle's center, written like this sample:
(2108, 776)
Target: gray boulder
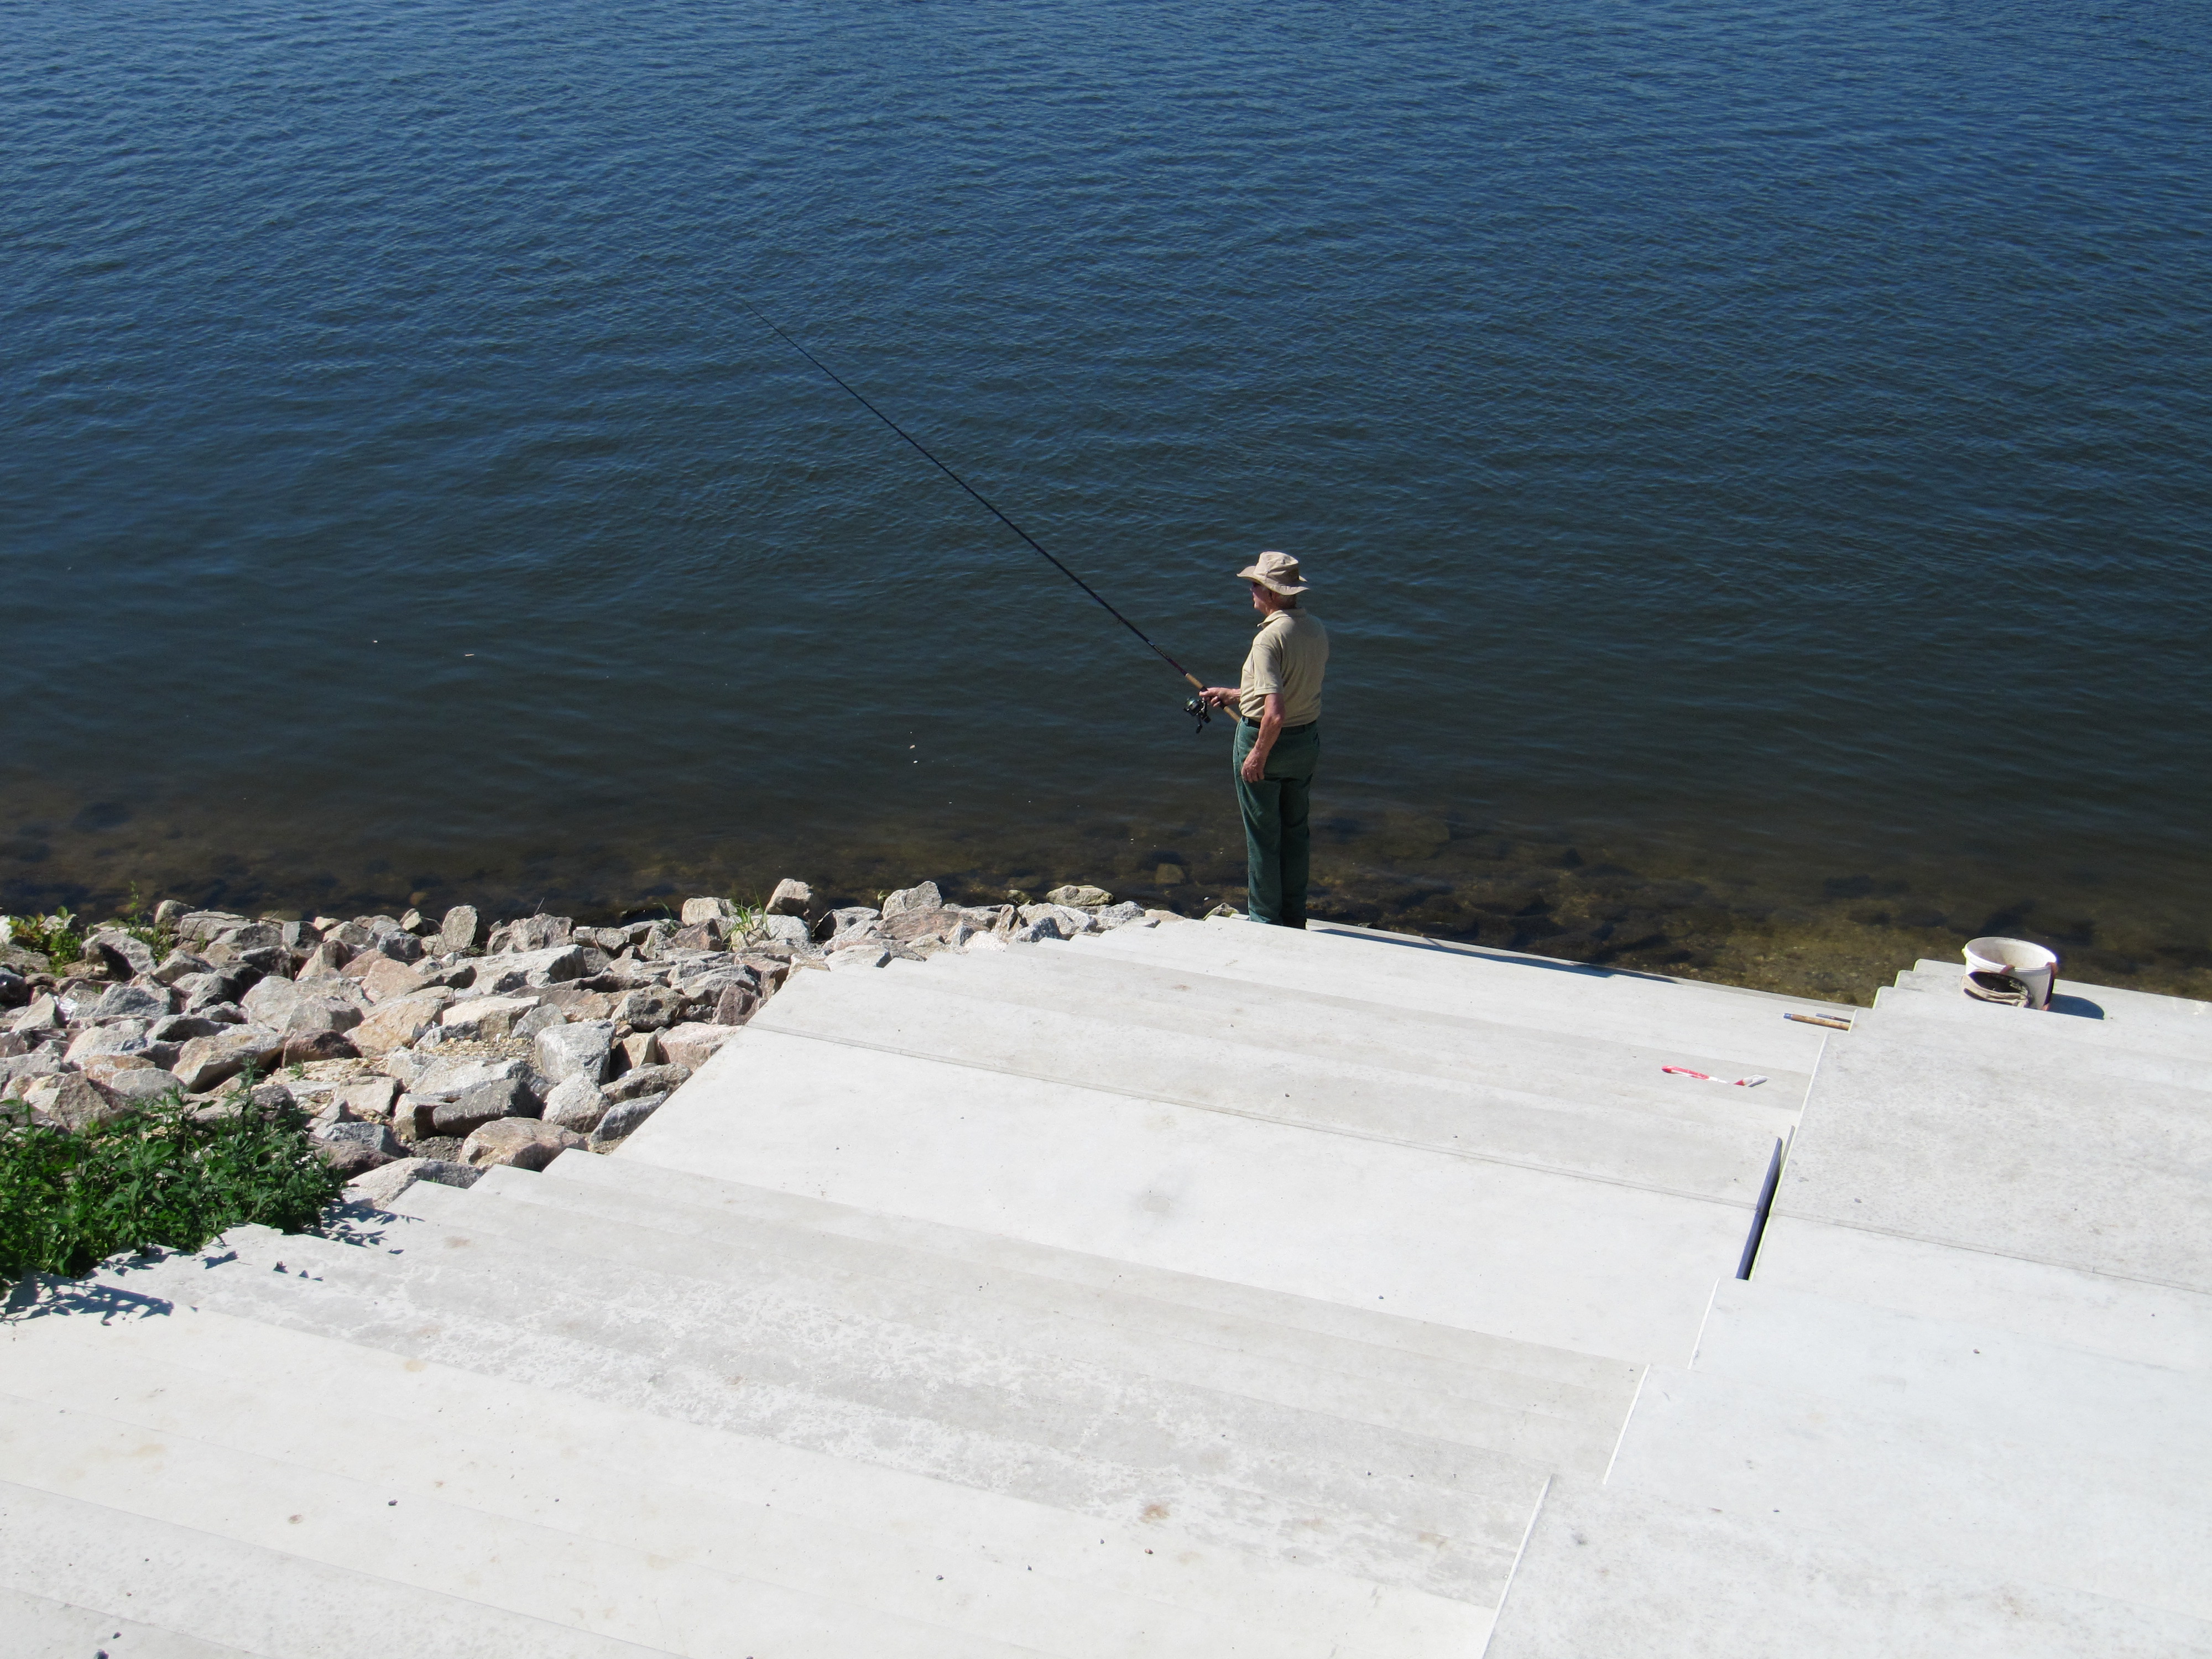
(625, 1120)
(578, 1050)
(41, 1014)
(250, 936)
(543, 1017)
(383, 1185)
(691, 1045)
(1119, 916)
(449, 1079)
(203, 927)
(462, 929)
(354, 1149)
(125, 956)
(132, 1002)
(142, 1085)
(178, 964)
(475, 1106)
(18, 1069)
(76, 1102)
(696, 910)
(552, 966)
(1079, 897)
(791, 898)
(326, 960)
(662, 1080)
(183, 1028)
(395, 1024)
(648, 1009)
(117, 1037)
(576, 1103)
(485, 1017)
(309, 1047)
(784, 929)
(534, 933)
(521, 1142)
(923, 898)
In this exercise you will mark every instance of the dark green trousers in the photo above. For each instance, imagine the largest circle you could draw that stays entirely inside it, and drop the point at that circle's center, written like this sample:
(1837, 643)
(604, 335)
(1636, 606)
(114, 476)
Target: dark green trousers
(1278, 843)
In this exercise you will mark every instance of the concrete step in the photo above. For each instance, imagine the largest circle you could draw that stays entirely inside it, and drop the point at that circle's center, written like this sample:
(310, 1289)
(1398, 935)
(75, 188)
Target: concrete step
(1476, 1055)
(1505, 1404)
(935, 1309)
(603, 1588)
(867, 1543)
(2125, 1318)
(1576, 1001)
(1614, 1570)
(2116, 1004)
(2057, 1163)
(40, 1627)
(691, 1201)
(1416, 1512)
(1566, 1261)
(1944, 1442)
(2015, 1037)
(278, 1602)
(1494, 985)
(1263, 1068)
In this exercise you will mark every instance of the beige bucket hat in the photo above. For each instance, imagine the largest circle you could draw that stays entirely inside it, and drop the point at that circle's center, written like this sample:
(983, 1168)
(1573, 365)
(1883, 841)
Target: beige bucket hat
(1277, 570)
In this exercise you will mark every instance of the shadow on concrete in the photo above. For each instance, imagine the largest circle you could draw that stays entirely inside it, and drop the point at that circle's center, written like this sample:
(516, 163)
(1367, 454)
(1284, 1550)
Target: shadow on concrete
(1415, 941)
(2063, 1002)
(43, 1298)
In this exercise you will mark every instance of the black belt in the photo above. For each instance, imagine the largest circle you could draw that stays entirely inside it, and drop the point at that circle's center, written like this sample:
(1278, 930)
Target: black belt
(1283, 731)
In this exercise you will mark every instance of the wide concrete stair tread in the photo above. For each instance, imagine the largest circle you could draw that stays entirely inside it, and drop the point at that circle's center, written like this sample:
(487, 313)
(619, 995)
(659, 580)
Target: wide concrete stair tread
(1391, 1506)
(1533, 1255)
(670, 1198)
(303, 1599)
(1330, 1027)
(1265, 1065)
(1614, 1570)
(1572, 998)
(895, 1297)
(2084, 1174)
(2154, 1049)
(2115, 1004)
(2104, 1313)
(40, 1627)
(1559, 1409)
(1940, 1441)
(736, 1545)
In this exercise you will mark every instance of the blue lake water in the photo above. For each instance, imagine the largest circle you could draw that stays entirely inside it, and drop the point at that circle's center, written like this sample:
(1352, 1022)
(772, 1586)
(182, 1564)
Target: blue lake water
(1751, 459)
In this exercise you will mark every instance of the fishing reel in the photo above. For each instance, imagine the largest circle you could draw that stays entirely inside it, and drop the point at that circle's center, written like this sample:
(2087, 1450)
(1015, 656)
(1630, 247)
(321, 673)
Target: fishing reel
(1200, 711)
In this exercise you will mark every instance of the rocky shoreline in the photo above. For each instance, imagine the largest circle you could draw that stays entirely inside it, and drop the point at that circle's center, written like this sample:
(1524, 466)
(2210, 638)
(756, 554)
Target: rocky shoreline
(433, 1048)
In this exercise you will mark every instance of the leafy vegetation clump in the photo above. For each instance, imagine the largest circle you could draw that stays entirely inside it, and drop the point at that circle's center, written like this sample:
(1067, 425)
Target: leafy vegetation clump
(54, 937)
(165, 1178)
(60, 936)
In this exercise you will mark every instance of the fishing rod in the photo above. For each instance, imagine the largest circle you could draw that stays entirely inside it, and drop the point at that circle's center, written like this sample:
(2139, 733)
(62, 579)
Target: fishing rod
(1197, 706)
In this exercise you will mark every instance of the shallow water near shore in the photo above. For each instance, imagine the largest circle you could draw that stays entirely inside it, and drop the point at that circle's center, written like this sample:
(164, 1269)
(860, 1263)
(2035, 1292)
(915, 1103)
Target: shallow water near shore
(1752, 461)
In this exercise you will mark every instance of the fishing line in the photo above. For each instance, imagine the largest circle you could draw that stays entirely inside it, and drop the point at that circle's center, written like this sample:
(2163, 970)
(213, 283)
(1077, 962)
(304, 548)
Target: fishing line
(1195, 706)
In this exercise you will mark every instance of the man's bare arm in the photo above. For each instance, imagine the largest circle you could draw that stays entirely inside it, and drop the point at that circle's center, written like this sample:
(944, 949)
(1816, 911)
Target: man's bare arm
(1271, 726)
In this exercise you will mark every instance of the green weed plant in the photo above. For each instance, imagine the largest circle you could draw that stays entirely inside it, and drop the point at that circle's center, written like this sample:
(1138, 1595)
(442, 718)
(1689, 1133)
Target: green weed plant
(163, 1179)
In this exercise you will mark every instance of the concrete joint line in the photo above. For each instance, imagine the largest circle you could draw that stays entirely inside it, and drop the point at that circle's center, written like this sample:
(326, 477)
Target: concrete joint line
(1535, 1514)
(1159, 1098)
(1991, 1250)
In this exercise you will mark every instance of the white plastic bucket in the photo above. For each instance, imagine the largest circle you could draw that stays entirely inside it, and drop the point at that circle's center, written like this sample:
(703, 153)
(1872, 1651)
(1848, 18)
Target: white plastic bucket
(2034, 969)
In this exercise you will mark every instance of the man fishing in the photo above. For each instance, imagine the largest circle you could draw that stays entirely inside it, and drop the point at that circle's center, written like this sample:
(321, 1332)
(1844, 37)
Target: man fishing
(1277, 742)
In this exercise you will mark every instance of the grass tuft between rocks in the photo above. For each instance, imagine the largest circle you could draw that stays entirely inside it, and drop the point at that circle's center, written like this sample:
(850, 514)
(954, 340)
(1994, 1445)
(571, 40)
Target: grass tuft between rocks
(167, 1177)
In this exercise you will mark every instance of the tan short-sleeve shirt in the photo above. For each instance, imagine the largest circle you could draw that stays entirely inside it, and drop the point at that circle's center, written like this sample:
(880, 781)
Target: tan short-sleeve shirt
(1289, 656)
